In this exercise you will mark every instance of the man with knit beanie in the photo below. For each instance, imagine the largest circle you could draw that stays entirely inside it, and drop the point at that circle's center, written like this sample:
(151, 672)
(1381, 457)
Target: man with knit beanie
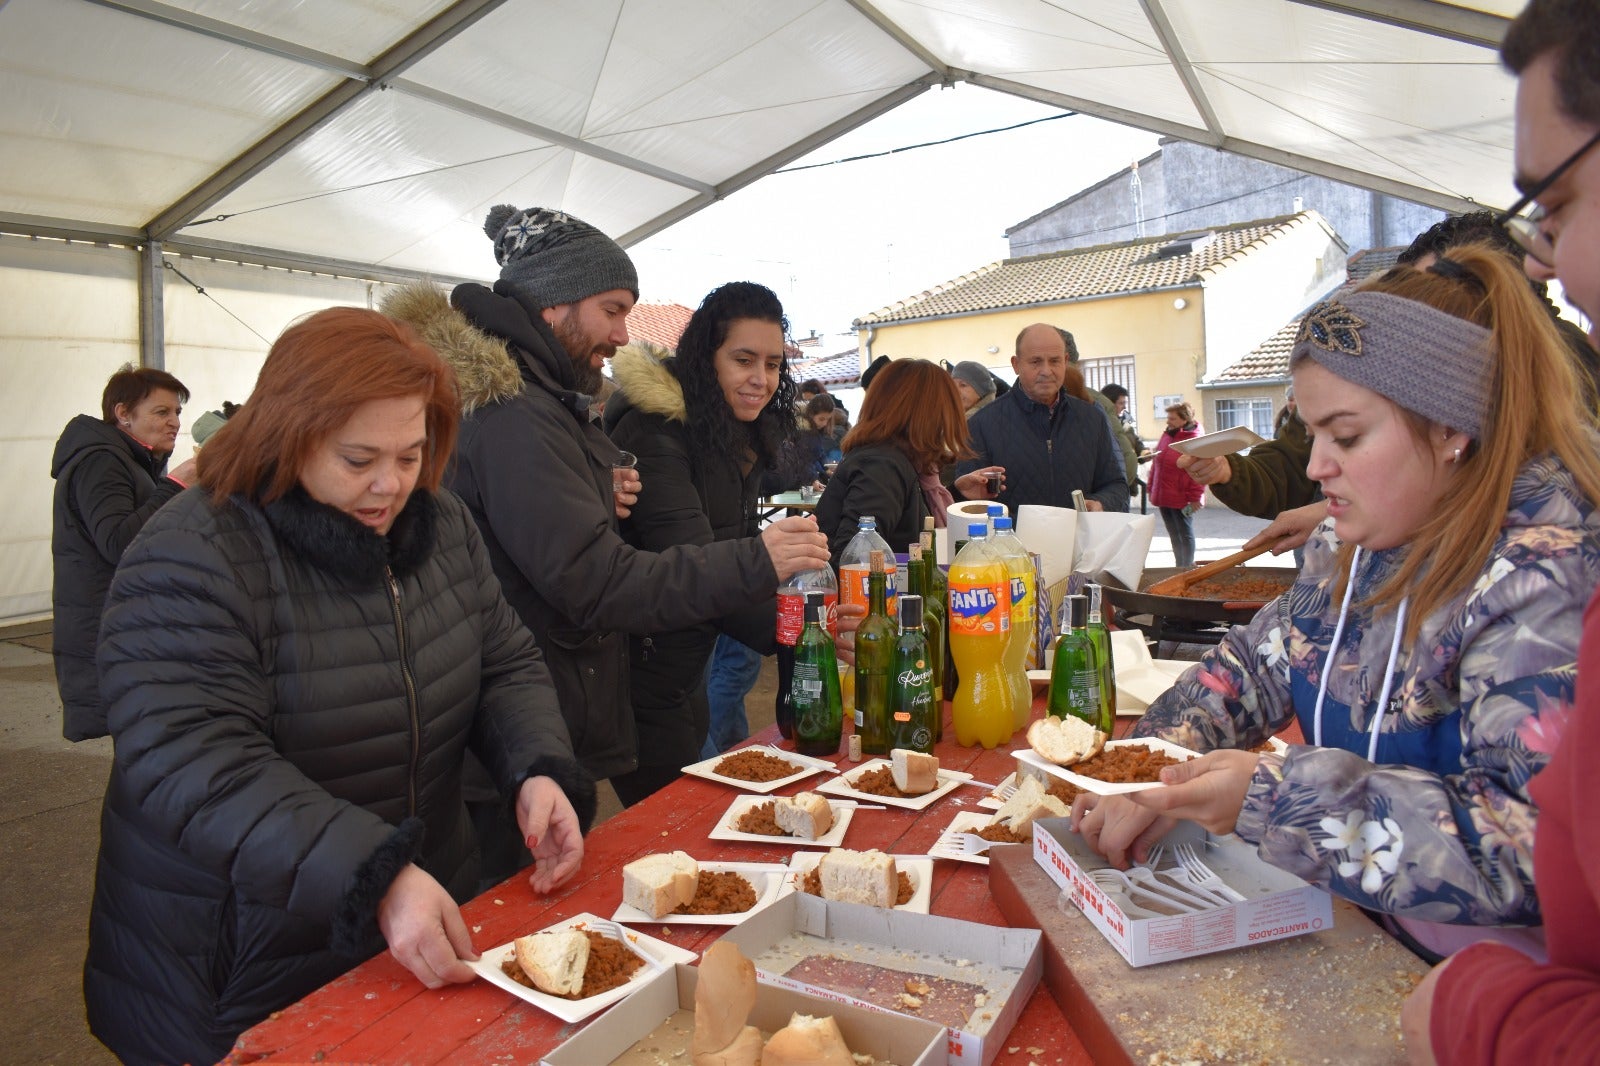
(975, 384)
(536, 473)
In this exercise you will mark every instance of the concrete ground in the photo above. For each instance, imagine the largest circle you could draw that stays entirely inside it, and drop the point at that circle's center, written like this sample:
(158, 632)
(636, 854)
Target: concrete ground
(50, 794)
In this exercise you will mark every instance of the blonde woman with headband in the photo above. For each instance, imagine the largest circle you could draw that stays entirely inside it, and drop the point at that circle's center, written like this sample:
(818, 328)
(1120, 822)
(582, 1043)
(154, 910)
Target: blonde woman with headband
(1427, 648)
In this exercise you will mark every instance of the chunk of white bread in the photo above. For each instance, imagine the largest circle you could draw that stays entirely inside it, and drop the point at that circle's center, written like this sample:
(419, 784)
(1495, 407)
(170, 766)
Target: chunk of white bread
(807, 1041)
(661, 883)
(554, 960)
(807, 815)
(859, 877)
(724, 994)
(1065, 741)
(914, 773)
(1028, 802)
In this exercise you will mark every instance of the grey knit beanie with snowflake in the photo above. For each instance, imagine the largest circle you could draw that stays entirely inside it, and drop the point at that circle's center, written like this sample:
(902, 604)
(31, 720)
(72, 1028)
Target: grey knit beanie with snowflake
(1426, 360)
(548, 258)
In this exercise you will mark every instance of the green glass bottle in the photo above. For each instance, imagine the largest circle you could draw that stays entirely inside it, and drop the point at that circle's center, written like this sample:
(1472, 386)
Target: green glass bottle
(922, 567)
(1075, 672)
(874, 658)
(814, 689)
(939, 592)
(1100, 635)
(911, 693)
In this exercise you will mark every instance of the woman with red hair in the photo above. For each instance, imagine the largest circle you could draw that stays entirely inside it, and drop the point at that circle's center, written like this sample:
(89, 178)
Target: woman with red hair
(296, 656)
(911, 426)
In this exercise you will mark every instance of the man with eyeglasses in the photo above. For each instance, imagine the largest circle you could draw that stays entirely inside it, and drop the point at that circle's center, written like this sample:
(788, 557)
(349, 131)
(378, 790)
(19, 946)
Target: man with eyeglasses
(1488, 1003)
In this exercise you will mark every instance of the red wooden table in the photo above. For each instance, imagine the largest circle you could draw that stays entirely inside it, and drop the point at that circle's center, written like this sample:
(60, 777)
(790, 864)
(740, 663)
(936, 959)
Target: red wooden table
(379, 1012)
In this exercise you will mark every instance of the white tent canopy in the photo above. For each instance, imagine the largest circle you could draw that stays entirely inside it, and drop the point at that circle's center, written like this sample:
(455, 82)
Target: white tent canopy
(377, 132)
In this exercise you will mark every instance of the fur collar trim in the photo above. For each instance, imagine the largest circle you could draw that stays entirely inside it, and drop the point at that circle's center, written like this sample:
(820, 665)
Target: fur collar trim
(486, 372)
(643, 373)
(334, 542)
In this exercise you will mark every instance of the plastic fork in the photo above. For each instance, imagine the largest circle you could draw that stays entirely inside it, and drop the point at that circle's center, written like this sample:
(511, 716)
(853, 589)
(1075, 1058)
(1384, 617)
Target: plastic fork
(1006, 790)
(799, 760)
(971, 844)
(1202, 876)
(1112, 876)
(1151, 880)
(607, 928)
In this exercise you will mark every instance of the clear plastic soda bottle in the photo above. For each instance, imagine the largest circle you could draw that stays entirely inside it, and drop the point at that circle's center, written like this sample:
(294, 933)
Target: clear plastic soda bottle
(1019, 568)
(980, 625)
(854, 565)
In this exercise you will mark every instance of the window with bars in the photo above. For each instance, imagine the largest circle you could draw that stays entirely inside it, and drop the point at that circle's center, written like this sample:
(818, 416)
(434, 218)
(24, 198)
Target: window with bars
(1255, 412)
(1098, 373)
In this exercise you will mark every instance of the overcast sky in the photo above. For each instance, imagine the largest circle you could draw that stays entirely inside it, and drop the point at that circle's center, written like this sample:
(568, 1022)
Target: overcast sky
(839, 242)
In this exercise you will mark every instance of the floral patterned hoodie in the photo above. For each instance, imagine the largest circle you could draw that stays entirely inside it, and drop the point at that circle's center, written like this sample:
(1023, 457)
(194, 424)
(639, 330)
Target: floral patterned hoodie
(1438, 826)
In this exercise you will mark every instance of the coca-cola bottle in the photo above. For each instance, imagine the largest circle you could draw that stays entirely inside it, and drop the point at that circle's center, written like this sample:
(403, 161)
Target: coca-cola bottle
(791, 619)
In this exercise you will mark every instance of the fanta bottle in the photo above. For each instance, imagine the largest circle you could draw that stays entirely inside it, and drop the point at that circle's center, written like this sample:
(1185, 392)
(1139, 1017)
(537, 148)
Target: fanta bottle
(1019, 569)
(980, 625)
(854, 565)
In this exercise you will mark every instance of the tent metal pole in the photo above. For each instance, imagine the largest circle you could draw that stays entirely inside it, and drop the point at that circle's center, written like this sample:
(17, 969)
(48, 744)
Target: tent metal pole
(152, 307)
(1451, 21)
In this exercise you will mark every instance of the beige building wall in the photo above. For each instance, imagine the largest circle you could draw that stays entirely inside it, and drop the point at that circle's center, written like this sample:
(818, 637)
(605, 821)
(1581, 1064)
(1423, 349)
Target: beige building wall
(1166, 341)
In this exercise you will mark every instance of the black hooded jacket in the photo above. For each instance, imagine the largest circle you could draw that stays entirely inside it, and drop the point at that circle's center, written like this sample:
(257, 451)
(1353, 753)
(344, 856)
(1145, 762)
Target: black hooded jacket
(107, 486)
(291, 698)
(536, 474)
(685, 499)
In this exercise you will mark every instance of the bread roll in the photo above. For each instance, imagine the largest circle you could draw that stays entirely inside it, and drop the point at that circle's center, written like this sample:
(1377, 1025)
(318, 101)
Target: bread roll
(914, 773)
(1030, 801)
(807, 1041)
(859, 877)
(744, 1051)
(554, 960)
(1065, 741)
(660, 884)
(723, 997)
(807, 815)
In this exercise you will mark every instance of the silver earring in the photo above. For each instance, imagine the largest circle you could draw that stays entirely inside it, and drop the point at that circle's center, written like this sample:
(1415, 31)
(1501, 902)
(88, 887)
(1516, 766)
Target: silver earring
(1457, 458)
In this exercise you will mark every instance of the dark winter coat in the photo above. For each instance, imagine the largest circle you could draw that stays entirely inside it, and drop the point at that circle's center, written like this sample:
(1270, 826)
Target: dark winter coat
(536, 474)
(107, 486)
(1047, 454)
(291, 697)
(1171, 487)
(1272, 478)
(877, 480)
(686, 499)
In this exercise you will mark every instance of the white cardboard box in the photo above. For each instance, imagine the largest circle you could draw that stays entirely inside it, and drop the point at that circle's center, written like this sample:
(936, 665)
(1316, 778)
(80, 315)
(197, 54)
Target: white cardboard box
(1277, 904)
(887, 1037)
(1014, 952)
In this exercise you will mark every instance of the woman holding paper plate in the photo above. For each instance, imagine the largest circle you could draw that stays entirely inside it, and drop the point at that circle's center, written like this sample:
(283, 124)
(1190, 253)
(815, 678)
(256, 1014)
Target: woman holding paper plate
(1174, 492)
(1427, 647)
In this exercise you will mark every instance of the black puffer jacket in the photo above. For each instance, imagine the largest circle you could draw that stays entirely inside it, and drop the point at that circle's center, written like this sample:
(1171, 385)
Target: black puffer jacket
(107, 486)
(682, 502)
(877, 480)
(1047, 454)
(291, 698)
(536, 474)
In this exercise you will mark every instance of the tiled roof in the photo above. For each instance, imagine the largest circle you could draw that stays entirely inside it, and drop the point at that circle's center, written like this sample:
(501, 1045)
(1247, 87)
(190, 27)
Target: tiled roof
(1370, 261)
(660, 323)
(841, 369)
(1269, 360)
(1127, 266)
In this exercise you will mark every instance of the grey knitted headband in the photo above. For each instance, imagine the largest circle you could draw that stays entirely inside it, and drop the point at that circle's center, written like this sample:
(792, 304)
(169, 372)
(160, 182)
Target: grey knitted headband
(1427, 361)
(549, 258)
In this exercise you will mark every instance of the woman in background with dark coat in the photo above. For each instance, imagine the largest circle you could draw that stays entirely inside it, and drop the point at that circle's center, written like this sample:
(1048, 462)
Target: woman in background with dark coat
(911, 427)
(704, 424)
(110, 478)
(1171, 489)
(295, 661)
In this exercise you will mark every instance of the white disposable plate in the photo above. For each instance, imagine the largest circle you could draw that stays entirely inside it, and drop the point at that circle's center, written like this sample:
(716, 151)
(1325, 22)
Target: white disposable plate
(842, 812)
(808, 766)
(1094, 784)
(918, 867)
(965, 822)
(767, 878)
(575, 1010)
(992, 802)
(1222, 442)
(842, 786)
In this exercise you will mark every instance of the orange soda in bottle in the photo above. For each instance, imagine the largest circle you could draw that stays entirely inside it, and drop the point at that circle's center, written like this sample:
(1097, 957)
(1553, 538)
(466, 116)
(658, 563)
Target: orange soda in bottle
(980, 626)
(1019, 568)
(854, 566)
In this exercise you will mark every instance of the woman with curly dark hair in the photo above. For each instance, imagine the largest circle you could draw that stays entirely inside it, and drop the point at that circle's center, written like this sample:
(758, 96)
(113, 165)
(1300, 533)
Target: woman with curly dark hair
(704, 424)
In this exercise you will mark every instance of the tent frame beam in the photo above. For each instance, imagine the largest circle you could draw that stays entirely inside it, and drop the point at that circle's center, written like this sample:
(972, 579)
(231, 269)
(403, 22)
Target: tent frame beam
(412, 49)
(1449, 21)
(228, 33)
(1185, 70)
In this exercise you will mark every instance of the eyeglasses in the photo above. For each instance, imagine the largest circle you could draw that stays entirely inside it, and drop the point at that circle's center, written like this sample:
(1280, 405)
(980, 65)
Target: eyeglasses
(1525, 229)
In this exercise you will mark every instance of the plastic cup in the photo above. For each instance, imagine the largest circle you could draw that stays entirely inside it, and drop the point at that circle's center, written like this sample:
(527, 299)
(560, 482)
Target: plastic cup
(624, 461)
